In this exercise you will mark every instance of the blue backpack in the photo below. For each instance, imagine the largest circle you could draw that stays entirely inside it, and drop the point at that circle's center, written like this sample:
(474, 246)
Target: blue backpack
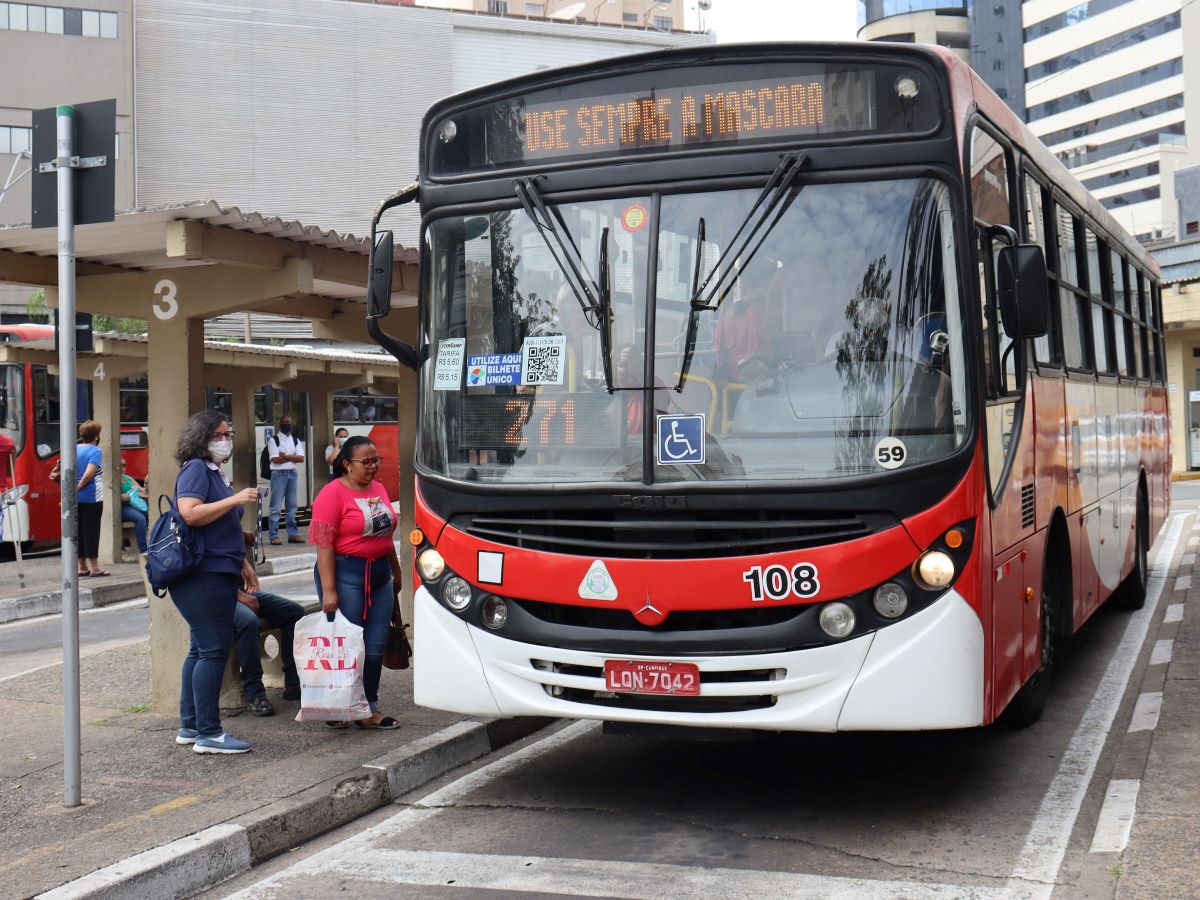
(173, 550)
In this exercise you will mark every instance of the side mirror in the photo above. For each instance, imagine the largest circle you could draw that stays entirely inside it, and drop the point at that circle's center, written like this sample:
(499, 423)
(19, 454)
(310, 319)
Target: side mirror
(1021, 290)
(379, 282)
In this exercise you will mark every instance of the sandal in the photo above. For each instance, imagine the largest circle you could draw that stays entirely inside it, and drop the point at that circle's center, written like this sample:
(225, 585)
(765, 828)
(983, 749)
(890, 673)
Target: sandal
(387, 723)
(99, 574)
(84, 574)
(337, 724)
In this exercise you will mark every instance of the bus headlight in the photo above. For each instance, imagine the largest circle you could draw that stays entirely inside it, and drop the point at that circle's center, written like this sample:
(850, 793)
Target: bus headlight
(935, 569)
(891, 600)
(837, 620)
(431, 564)
(456, 593)
(495, 612)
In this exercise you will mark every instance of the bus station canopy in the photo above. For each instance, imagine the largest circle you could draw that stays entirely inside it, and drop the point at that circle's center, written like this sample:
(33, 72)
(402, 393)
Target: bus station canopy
(206, 247)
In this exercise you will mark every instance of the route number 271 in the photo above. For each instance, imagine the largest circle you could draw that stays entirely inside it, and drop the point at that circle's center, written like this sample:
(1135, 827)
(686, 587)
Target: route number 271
(777, 583)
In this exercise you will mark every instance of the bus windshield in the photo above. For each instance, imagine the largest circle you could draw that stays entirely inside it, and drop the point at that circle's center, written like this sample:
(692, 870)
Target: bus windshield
(831, 348)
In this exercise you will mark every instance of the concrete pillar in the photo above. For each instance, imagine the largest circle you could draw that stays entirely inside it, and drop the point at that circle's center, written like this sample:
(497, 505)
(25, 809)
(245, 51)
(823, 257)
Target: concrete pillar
(176, 376)
(245, 460)
(321, 411)
(106, 407)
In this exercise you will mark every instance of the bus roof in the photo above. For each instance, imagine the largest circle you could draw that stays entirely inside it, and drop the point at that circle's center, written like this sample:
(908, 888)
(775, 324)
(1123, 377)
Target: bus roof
(25, 331)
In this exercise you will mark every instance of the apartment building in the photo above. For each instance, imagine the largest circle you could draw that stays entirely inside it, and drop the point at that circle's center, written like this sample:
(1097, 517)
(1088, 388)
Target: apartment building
(1106, 89)
(645, 14)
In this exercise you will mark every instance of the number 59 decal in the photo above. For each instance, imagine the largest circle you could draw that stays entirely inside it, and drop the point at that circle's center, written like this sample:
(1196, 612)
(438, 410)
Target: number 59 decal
(777, 583)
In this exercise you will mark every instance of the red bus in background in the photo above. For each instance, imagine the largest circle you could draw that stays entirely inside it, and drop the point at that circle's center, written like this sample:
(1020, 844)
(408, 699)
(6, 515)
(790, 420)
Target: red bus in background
(789, 387)
(29, 415)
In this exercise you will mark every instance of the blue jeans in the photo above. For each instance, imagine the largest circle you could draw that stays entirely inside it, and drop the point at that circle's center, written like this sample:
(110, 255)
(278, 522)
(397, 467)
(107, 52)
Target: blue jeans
(351, 577)
(283, 492)
(138, 518)
(206, 601)
(280, 613)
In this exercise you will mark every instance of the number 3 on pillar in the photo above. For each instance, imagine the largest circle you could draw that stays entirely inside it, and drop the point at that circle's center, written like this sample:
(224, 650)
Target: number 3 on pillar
(166, 306)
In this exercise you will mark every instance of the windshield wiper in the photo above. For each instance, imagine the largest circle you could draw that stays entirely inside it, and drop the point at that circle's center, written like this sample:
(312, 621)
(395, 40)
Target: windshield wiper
(562, 248)
(758, 219)
(689, 343)
(605, 303)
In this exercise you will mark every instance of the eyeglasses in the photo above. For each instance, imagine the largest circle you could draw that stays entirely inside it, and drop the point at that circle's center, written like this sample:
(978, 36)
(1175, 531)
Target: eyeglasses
(369, 461)
(223, 435)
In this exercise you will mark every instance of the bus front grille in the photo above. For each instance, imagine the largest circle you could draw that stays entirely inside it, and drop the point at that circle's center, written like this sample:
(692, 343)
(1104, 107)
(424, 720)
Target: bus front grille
(693, 535)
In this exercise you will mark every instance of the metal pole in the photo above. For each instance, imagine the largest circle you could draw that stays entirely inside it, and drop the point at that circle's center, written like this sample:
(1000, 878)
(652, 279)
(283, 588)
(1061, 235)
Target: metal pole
(67, 462)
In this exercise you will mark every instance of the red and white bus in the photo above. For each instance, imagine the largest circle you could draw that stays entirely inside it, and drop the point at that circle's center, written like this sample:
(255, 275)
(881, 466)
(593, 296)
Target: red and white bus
(790, 387)
(29, 415)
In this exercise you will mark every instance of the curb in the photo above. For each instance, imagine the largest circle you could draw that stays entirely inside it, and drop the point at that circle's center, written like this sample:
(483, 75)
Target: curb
(200, 861)
(282, 565)
(30, 606)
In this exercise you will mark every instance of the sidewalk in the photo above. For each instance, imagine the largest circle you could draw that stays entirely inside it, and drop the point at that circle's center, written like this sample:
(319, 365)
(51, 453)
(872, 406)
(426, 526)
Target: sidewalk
(41, 593)
(142, 791)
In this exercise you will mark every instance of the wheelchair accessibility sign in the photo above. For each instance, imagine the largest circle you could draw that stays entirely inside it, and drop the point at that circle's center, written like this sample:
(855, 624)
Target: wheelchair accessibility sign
(680, 440)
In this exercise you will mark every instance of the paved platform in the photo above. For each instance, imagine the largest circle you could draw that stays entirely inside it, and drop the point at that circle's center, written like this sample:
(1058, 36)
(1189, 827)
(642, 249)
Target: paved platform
(34, 587)
(142, 791)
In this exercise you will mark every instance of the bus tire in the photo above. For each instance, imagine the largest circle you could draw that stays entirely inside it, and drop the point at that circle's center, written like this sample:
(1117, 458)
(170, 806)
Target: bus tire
(1131, 594)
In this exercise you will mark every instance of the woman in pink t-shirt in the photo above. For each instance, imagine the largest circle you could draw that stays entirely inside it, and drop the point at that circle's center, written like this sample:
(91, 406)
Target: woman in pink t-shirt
(357, 569)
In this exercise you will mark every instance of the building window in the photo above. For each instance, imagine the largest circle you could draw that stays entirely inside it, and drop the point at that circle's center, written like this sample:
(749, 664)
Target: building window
(1192, 228)
(14, 139)
(57, 20)
(535, 9)
(629, 18)
(499, 7)
(663, 23)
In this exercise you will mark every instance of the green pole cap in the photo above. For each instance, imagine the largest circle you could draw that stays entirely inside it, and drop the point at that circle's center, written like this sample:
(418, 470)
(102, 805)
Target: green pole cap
(64, 109)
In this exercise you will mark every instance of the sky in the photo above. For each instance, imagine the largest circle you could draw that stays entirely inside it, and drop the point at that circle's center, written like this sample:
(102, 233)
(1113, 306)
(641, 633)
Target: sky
(780, 20)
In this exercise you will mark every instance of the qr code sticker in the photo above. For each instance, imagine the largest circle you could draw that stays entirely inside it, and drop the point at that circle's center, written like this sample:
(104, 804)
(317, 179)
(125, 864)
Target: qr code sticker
(543, 359)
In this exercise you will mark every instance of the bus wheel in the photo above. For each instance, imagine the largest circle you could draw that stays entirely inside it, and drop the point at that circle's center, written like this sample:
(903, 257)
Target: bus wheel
(1131, 594)
(1030, 701)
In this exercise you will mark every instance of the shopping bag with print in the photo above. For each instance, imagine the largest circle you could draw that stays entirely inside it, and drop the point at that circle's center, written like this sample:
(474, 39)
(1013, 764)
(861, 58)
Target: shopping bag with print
(329, 660)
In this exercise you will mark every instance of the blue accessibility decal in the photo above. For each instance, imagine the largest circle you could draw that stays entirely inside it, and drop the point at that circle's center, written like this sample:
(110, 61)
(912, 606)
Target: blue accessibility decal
(680, 440)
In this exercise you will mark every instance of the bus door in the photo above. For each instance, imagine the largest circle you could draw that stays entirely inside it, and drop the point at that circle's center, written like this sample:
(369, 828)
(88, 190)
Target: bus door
(1009, 432)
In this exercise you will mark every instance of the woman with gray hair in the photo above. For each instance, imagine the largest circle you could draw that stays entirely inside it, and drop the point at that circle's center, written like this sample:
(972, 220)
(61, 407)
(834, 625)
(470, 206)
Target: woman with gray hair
(207, 598)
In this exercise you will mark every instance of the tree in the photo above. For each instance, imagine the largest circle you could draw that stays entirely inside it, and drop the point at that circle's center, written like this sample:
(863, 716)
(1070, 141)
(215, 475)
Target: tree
(35, 306)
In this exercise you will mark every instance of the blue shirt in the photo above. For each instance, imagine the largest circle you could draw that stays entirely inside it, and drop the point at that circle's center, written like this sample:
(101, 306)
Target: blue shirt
(224, 547)
(85, 455)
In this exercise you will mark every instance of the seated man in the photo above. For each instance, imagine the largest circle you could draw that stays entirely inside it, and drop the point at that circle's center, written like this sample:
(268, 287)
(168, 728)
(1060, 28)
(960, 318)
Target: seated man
(280, 613)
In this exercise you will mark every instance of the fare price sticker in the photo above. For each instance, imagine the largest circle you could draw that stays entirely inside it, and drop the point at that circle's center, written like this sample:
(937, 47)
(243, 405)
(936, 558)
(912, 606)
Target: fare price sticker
(447, 371)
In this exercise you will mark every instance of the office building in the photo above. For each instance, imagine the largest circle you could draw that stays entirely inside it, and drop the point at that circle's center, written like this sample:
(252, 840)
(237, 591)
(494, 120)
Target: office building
(943, 22)
(664, 16)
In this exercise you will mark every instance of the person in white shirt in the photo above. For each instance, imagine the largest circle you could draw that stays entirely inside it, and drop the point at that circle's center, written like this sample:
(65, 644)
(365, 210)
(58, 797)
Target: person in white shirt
(284, 451)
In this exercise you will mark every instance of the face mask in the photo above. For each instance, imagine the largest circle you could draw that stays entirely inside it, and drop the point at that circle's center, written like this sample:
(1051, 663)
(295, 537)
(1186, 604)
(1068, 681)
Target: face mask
(220, 451)
(285, 429)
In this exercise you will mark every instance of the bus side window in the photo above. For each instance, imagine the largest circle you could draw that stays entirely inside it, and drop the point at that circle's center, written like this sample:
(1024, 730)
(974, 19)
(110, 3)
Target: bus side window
(1073, 302)
(1101, 321)
(990, 201)
(1036, 231)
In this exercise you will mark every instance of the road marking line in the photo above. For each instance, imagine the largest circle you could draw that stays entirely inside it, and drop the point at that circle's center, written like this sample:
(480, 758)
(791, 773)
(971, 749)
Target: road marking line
(1189, 559)
(636, 880)
(419, 812)
(1162, 652)
(1174, 613)
(1116, 816)
(1146, 712)
(1046, 843)
(1183, 583)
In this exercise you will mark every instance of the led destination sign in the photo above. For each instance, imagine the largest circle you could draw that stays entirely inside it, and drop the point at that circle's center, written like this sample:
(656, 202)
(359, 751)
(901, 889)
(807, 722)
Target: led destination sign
(685, 108)
(682, 117)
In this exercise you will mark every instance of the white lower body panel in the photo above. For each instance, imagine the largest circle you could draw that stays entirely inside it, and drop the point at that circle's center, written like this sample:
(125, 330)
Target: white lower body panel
(925, 672)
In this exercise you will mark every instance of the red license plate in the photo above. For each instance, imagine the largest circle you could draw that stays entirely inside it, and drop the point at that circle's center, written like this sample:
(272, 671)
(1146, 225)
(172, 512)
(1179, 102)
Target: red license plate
(636, 676)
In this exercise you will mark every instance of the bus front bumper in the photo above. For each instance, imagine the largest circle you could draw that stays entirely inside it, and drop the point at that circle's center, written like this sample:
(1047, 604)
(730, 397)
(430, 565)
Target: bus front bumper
(925, 672)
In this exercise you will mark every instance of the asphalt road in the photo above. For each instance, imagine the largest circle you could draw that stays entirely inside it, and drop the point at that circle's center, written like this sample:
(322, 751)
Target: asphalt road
(36, 643)
(981, 813)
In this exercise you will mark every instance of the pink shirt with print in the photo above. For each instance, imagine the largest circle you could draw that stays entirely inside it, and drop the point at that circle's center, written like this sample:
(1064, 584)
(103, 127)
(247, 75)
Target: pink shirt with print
(353, 522)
